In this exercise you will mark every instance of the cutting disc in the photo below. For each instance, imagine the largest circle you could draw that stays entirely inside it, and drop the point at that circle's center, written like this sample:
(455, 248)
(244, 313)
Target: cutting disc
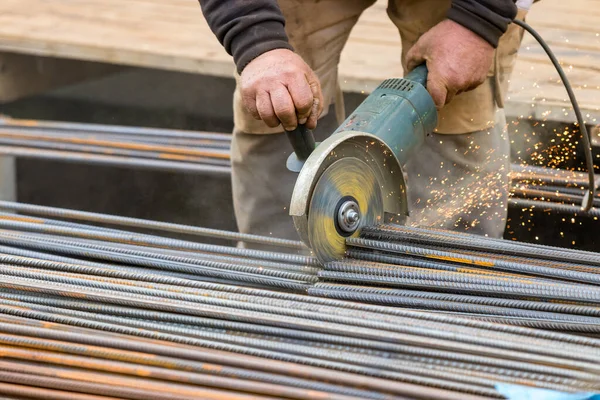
(348, 184)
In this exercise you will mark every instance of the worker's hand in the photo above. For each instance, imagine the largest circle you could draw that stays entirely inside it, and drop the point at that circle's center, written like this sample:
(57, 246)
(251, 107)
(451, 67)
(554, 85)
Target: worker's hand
(279, 87)
(458, 60)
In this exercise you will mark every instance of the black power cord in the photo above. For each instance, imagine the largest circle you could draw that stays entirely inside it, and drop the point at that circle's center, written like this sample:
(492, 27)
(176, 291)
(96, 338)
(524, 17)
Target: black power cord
(588, 200)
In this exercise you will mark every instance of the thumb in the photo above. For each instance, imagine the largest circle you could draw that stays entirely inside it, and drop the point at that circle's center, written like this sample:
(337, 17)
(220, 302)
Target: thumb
(414, 57)
(438, 90)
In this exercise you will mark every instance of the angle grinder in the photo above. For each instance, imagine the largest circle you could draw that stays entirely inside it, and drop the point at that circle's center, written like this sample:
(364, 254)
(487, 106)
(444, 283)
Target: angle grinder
(354, 178)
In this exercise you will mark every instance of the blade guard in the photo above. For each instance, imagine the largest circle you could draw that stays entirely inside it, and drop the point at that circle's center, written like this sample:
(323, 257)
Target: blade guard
(363, 146)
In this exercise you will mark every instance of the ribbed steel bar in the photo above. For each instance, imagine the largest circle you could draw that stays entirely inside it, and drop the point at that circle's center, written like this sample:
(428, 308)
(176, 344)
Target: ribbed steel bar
(403, 234)
(422, 390)
(247, 302)
(322, 323)
(129, 269)
(448, 373)
(420, 303)
(460, 348)
(451, 375)
(390, 296)
(132, 274)
(500, 243)
(575, 376)
(547, 206)
(197, 268)
(458, 287)
(190, 371)
(155, 241)
(204, 140)
(397, 369)
(156, 260)
(86, 248)
(410, 366)
(181, 352)
(559, 326)
(542, 194)
(114, 150)
(112, 385)
(142, 283)
(390, 261)
(115, 161)
(145, 224)
(299, 284)
(479, 260)
(76, 367)
(384, 310)
(178, 364)
(280, 332)
(38, 125)
(130, 248)
(204, 323)
(30, 392)
(139, 147)
(459, 276)
(551, 175)
(574, 191)
(176, 150)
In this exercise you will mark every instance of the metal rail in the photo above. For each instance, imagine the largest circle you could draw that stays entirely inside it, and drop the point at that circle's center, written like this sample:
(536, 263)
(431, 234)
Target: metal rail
(120, 146)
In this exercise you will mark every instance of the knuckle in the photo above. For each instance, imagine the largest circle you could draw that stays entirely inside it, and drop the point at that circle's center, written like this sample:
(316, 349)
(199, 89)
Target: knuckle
(305, 103)
(285, 111)
(290, 72)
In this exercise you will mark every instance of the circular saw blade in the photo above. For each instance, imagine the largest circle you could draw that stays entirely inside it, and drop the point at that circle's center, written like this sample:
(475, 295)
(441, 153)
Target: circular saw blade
(346, 179)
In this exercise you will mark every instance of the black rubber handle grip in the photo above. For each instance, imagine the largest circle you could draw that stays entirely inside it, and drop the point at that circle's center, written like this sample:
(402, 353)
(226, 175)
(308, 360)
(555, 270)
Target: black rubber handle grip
(302, 140)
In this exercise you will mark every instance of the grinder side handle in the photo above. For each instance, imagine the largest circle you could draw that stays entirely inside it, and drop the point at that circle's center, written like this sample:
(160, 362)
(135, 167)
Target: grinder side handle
(302, 140)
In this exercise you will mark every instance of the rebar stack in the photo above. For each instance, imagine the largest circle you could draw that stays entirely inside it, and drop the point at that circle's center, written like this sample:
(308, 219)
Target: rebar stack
(90, 312)
(458, 273)
(207, 152)
(548, 189)
(121, 146)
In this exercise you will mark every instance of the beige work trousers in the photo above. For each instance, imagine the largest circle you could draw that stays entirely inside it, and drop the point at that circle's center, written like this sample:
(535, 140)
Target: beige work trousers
(469, 148)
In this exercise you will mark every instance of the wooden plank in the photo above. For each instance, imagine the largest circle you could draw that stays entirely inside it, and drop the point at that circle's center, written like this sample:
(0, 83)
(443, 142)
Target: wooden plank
(138, 33)
(173, 35)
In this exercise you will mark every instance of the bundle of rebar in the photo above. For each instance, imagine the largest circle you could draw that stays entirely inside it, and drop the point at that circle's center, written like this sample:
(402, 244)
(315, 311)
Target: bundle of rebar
(458, 273)
(97, 312)
(121, 146)
(551, 190)
(207, 152)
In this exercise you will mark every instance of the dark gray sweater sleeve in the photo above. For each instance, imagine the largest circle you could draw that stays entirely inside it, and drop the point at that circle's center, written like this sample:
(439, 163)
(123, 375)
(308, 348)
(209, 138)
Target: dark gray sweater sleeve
(487, 18)
(249, 28)
(246, 28)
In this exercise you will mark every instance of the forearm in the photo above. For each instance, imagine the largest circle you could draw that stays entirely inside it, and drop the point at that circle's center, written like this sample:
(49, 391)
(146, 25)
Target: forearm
(487, 18)
(246, 29)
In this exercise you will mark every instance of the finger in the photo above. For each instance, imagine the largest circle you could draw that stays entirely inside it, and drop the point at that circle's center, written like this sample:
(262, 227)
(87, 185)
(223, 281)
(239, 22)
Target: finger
(250, 106)
(317, 106)
(438, 91)
(284, 107)
(414, 57)
(265, 109)
(302, 96)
